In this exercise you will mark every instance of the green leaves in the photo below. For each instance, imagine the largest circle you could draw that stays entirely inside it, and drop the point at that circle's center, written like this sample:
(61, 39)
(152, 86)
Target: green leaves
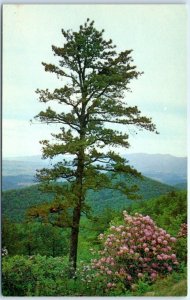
(50, 116)
(34, 276)
(60, 171)
(62, 95)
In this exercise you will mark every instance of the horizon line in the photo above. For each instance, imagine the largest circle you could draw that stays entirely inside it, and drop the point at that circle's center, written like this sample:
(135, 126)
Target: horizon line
(122, 154)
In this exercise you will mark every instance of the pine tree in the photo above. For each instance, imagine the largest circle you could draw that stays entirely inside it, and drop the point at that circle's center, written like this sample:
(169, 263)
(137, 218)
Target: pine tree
(93, 107)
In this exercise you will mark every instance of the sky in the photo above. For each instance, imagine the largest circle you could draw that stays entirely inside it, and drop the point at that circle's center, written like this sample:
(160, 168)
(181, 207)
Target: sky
(156, 33)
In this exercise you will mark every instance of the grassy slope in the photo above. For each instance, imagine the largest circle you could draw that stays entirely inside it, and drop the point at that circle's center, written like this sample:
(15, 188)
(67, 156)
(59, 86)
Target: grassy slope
(170, 286)
(174, 284)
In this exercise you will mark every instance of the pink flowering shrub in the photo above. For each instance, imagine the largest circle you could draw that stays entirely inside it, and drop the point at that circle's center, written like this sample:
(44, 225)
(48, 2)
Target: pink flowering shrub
(136, 250)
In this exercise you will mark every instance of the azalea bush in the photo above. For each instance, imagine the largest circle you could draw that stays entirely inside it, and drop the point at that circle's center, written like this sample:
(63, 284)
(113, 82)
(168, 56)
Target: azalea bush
(135, 251)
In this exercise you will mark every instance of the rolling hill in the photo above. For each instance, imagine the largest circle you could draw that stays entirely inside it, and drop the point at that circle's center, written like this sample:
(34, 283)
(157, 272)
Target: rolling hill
(15, 202)
(19, 172)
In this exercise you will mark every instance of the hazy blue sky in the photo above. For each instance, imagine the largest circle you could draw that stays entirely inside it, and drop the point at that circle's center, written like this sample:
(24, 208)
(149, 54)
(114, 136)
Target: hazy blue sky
(156, 33)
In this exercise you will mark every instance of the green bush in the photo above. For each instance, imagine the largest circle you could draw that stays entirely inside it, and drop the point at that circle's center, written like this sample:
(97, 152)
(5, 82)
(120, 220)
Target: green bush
(181, 245)
(41, 276)
(181, 249)
(34, 276)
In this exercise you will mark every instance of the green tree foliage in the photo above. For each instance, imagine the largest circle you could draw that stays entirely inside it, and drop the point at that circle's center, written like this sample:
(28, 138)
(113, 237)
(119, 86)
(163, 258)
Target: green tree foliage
(16, 202)
(34, 238)
(11, 237)
(96, 78)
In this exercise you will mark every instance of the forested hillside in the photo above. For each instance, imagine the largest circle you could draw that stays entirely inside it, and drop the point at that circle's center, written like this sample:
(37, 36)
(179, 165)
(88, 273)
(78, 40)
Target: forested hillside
(15, 202)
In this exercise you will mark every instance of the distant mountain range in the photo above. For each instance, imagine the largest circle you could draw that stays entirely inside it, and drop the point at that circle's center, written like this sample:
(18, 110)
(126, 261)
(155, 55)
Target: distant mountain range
(165, 168)
(19, 172)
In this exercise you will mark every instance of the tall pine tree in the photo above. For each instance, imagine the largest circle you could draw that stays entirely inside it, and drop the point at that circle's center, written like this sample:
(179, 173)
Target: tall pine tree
(93, 107)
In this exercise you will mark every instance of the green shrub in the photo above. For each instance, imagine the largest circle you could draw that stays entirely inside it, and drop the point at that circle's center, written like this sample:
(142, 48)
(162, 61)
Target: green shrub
(34, 276)
(181, 245)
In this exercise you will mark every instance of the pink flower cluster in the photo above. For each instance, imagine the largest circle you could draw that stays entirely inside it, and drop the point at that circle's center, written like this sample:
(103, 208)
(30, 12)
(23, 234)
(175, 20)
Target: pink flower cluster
(134, 250)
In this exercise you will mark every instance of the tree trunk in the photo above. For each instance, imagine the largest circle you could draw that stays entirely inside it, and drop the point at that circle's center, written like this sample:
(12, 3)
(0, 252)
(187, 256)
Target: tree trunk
(74, 240)
(80, 199)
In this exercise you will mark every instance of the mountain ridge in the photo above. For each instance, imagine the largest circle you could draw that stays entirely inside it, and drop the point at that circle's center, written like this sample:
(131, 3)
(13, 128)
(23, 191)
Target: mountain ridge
(164, 168)
(39, 157)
